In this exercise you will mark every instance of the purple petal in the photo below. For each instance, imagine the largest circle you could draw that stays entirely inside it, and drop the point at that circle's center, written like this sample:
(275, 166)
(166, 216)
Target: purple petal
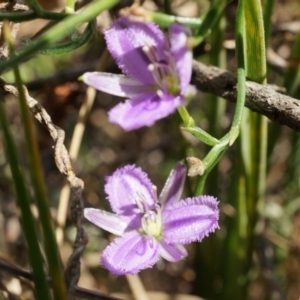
(143, 110)
(130, 253)
(173, 188)
(183, 56)
(118, 85)
(125, 40)
(190, 220)
(123, 188)
(172, 252)
(105, 220)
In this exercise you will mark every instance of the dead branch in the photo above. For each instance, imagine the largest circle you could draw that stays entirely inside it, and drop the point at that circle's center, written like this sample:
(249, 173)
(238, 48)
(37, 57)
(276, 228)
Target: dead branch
(78, 291)
(264, 100)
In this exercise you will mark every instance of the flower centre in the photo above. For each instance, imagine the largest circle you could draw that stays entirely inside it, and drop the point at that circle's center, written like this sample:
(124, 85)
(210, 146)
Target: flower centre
(163, 70)
(151, 223)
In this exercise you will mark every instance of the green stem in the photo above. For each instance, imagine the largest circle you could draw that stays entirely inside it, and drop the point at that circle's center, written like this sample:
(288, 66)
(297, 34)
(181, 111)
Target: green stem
(35, 6)
(167, 7)
(241, 75)
(218, 150)
(275, 128)
(210, 160)
(185, 116)
(90, 12)
(28, 222)
(232, 265)
(235, 255)
(56, 49)
(37, 177)
(292, 76)
(216, 105)
(31, 15)
(217, 57)
(70, 7)
(211, 18)
(268, 10)
(250, 181)
(189, 126)
(256, 71)
(256, 51)
(164, 20)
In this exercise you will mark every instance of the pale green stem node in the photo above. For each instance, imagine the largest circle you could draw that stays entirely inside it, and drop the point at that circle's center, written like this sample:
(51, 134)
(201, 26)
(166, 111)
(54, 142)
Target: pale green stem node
(201, 135)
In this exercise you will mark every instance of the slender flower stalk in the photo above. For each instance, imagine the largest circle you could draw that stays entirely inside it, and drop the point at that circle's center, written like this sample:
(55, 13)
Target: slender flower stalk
(157, 70)
(148, 226)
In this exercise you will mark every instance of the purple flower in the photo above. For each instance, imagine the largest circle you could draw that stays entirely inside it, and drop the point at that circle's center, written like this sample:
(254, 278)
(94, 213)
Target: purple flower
(157, 72)
(150, 227)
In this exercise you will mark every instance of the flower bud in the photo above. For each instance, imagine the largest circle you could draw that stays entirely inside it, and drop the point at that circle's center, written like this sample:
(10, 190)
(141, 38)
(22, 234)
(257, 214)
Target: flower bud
(196, 166)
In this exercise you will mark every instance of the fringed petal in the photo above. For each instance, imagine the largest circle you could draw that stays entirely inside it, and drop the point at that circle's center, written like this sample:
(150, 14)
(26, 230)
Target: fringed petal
(182, 54)
(130, 253)
(190, 220)
(143, 110)
(125, 187)
(173, 187)
(172, 252)
(125, 40)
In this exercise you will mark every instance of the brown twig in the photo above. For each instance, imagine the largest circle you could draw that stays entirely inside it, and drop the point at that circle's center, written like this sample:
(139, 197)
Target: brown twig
(10, 6)
(78, 292)
(74, 149)
(13, 7)
(63, 163)
(264, 100)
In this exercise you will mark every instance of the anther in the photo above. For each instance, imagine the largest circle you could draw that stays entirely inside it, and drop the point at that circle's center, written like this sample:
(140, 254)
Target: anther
(154, 189)
(159, 93)
(146, 49)
(151, 67)
(141, 202)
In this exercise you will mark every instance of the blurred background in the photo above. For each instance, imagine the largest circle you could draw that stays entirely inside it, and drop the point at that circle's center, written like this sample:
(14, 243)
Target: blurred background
(212, 269)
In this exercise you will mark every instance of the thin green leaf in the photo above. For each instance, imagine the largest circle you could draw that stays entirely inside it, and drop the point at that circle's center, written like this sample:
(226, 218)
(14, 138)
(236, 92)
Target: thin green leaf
(28, 222)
